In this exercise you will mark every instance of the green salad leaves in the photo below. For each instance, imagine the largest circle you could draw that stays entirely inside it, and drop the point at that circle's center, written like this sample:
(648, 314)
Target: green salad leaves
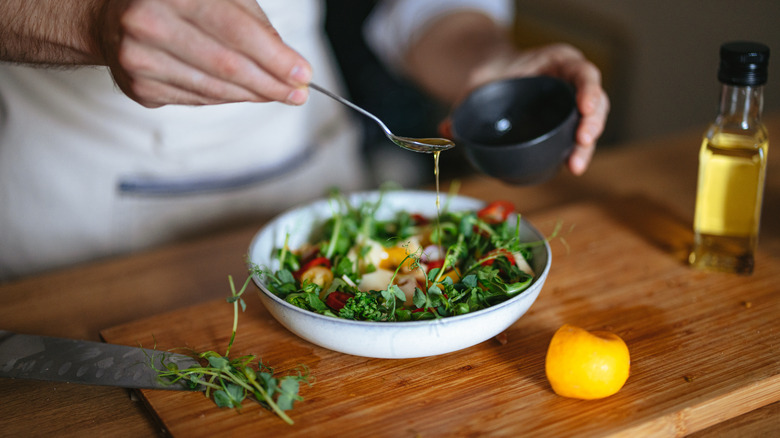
(406, 268)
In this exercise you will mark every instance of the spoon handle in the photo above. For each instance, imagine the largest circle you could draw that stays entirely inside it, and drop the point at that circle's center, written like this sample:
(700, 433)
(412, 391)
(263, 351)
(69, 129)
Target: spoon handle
(351, 105)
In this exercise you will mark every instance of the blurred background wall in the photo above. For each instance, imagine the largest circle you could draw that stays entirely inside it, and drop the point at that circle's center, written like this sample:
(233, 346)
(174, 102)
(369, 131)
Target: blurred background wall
(659, 58)
(659, 61)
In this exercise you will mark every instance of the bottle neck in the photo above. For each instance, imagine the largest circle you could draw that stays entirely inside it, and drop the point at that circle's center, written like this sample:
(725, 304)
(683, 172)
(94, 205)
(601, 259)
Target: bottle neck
(741, 104)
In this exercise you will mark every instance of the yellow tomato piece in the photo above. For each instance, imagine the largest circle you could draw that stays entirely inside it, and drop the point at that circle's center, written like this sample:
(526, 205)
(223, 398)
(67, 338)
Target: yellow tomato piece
(453, 274)
(397, 256)
(319, 275)
(586, 365)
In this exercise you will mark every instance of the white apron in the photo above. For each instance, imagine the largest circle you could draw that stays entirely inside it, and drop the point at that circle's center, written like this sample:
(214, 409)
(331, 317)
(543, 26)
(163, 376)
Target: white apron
(85, 172)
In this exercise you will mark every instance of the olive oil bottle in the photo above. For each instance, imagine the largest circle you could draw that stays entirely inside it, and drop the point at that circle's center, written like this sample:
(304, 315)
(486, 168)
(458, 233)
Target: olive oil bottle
(732, 165)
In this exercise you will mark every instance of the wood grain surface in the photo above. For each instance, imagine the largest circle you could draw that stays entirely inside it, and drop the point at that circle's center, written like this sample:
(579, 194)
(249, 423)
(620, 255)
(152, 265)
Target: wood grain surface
(704, 348)
(79, 301)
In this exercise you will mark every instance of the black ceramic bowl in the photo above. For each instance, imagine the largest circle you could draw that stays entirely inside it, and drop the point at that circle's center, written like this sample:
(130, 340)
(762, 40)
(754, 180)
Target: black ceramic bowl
(518, 130)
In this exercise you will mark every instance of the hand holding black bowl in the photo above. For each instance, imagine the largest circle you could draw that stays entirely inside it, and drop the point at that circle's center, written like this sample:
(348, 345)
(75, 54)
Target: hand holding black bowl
(518, 130)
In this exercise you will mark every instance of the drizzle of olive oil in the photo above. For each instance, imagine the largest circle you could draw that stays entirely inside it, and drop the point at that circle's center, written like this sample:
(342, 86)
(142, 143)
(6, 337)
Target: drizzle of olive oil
(438, 204)
(436, 176)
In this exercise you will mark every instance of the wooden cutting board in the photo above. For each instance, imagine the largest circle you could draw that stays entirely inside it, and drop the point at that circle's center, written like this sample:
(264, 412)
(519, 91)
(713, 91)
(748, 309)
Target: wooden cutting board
(705, 347)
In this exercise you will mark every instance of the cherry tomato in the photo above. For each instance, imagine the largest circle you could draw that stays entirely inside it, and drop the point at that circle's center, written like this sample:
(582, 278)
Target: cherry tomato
(433, 264)
(419, 219)
(493, 254)
(336, 300)
(317, 261)
(496, 212)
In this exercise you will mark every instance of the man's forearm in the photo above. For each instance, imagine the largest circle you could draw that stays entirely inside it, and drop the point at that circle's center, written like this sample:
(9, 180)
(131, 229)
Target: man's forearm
(52, 32)
(446, 59)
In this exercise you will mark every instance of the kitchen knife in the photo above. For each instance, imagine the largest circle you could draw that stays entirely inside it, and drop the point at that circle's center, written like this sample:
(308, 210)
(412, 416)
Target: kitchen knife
(92, 363)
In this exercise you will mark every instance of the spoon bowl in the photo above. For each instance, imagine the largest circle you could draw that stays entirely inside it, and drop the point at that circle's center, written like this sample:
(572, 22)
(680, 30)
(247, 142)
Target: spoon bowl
(423, 145)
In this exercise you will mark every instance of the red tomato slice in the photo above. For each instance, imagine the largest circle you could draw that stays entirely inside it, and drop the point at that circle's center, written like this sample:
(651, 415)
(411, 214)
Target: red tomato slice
(433, 264)
(336, 300)
(317, 261)
(493, 254)
(419, 219)
(496, 212)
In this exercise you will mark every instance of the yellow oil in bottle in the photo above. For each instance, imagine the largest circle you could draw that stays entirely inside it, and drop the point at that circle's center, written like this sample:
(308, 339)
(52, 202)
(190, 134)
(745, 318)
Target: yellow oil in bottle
(732, 164)
(732, 170)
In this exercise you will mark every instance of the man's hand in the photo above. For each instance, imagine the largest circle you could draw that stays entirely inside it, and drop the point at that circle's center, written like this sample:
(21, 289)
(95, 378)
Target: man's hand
(161, 51)
(199, 52)
(567, 63)
(464, 50)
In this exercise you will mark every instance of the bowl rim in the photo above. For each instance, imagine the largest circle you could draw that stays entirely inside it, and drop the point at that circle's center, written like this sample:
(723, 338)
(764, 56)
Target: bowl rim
(398, 324)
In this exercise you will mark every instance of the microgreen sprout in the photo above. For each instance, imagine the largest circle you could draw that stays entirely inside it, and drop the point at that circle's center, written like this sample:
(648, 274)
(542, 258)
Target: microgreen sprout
(230, 381)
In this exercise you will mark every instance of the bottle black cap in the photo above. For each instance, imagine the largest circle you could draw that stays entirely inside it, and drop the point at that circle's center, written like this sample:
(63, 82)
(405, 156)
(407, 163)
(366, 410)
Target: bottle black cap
(743, 63)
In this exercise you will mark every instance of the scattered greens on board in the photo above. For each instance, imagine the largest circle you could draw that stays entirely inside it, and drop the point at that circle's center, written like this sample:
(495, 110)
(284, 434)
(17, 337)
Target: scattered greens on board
(230, 381)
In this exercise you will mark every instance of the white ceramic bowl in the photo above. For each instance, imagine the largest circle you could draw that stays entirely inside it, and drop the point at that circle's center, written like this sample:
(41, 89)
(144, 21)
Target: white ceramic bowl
(392, 340)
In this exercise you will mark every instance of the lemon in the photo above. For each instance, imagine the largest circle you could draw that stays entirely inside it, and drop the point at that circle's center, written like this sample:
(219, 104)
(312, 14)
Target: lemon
(586, 365)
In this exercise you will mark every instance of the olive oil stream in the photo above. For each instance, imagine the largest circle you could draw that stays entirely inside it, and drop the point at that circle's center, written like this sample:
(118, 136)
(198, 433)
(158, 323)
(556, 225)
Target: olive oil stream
(438, 203)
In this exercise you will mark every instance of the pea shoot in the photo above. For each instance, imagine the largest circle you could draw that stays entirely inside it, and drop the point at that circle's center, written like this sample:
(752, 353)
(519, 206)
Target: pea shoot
(230, 381)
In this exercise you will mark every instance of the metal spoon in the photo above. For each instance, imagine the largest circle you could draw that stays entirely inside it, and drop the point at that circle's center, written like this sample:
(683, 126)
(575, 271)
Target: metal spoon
(424, 145)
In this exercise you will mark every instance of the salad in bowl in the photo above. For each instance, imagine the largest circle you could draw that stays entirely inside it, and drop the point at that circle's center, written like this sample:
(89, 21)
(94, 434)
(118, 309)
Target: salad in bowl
(399, 273)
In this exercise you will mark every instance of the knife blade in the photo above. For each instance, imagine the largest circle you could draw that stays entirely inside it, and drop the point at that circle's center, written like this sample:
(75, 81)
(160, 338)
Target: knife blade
(55, 359)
